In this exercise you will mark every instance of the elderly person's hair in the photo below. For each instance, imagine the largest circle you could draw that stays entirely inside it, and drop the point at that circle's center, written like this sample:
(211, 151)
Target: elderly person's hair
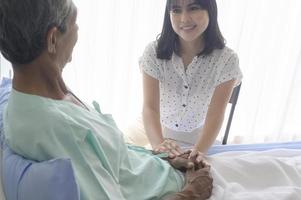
(24, 25)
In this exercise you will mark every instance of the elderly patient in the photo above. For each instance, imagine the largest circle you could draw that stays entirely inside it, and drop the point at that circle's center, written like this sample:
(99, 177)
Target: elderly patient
(44, 120)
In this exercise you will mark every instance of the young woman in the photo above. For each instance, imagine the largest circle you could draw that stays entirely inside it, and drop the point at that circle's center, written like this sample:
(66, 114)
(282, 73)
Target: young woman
(188, 77)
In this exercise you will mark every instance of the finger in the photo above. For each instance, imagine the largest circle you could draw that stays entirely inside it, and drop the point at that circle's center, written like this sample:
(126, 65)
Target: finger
(164, 148)
(167, 146)
(179, 162)
(192, 156)
(173, 144)
(171, 155)
(179, 150)
(160, 149)
(205, 165)
(184, 155)
(175, 152)
(199, 158)
(188, 151)
(175, 147)
(167, 141)
(156, 150)
(193, 153)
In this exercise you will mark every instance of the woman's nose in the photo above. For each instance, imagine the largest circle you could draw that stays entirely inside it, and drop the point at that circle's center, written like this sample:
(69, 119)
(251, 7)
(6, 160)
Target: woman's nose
(185, 16)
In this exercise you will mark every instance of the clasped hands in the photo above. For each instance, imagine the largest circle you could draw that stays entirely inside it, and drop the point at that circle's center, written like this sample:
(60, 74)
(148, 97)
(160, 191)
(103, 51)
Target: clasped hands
(173, 149)
(198, 181)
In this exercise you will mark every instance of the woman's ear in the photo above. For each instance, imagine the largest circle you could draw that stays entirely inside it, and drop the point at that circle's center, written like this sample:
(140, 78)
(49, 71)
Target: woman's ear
(52, 40)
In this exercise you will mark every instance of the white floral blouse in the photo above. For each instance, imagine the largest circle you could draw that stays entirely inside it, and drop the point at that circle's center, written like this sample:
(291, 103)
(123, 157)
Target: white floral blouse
(185, 95)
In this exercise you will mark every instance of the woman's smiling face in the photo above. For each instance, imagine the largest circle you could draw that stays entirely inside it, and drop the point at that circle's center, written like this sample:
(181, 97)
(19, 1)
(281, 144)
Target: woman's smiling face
(189, 20)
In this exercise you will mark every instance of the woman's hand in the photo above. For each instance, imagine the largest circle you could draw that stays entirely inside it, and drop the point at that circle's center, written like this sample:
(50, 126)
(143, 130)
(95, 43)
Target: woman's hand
(196, 156)
(169, 146)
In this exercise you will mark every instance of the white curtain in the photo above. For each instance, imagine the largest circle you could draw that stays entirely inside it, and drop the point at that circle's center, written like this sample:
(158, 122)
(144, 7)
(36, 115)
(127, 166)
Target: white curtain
(264, 33)
(112, 36)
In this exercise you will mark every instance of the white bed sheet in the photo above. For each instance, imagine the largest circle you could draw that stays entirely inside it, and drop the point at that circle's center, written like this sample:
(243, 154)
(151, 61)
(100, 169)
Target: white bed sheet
(267, 175)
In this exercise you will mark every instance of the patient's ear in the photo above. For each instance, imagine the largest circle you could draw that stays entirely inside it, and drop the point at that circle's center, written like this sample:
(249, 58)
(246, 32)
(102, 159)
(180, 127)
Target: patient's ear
(52, 38)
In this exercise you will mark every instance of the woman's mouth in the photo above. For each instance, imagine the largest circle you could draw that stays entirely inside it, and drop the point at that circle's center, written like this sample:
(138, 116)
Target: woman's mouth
(188, 27)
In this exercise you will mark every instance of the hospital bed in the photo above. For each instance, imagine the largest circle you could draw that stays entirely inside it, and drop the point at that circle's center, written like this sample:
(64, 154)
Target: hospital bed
(217, 153)
(218, 150)
(254, 147)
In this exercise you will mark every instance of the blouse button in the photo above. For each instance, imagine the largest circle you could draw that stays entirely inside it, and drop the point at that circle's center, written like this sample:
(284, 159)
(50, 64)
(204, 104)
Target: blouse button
(184, 105)
(185, 86)
(177, 125)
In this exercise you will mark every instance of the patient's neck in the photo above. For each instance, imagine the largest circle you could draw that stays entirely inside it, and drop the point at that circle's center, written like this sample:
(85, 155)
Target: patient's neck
(40, 78)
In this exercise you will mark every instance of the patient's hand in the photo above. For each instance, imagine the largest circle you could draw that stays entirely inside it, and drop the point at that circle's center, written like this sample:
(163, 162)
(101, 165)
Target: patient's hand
(198, 184)
(184, 162)
(181, 162)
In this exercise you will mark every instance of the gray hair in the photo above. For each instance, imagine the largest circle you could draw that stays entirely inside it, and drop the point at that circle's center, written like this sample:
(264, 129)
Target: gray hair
(24, 25)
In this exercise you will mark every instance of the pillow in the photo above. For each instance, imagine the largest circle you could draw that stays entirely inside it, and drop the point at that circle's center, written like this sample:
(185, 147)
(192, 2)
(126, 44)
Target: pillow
(2, 197)
(29, 180)
(5, 88)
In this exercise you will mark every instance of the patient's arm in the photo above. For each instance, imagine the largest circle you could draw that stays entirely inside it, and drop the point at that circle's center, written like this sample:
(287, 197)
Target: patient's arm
(198, 180)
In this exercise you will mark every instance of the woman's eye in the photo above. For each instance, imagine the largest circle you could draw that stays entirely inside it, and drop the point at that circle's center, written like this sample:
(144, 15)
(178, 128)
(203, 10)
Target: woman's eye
(176, 10)
(195, 8)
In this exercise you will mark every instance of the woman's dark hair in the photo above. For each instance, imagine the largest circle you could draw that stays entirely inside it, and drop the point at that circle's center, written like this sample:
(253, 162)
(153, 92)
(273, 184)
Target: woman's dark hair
(24, 25)
(168, 42)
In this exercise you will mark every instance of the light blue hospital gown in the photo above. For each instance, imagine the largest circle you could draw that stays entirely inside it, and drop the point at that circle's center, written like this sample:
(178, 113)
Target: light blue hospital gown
(40, 128)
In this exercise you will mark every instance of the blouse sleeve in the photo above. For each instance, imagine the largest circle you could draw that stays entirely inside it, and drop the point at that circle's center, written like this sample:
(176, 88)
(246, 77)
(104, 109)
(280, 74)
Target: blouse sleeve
(230, 70)
(149, 63)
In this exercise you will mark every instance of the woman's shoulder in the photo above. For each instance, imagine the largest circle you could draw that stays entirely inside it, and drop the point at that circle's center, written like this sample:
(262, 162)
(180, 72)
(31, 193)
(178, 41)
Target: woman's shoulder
(150, 49)
(150, 54)
(225, 52)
